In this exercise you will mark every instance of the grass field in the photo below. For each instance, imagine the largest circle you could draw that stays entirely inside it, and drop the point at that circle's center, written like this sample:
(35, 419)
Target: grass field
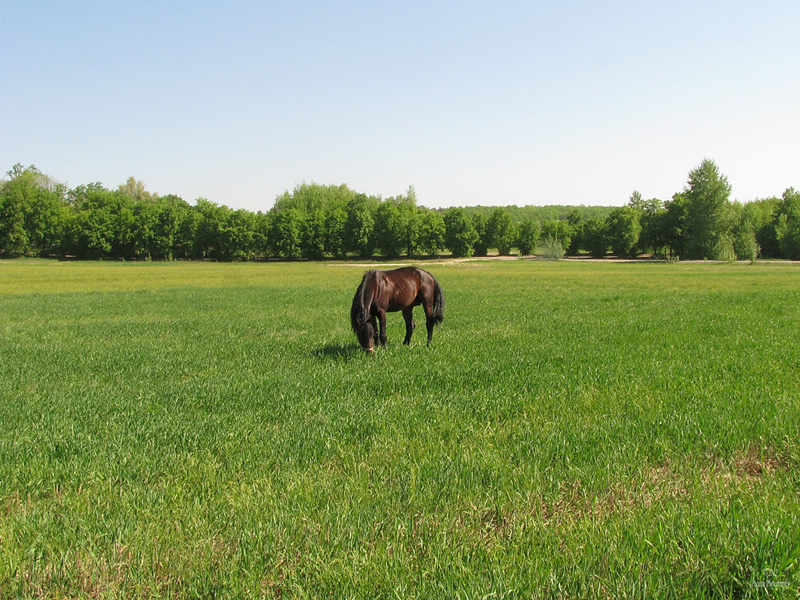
(576, 430)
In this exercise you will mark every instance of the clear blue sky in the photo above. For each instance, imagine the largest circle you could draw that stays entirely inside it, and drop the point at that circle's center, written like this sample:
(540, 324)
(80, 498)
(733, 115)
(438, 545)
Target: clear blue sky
(494, 102)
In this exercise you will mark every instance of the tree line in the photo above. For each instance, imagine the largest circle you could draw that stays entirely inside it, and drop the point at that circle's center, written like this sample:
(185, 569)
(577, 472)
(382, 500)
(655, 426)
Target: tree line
(40, 217)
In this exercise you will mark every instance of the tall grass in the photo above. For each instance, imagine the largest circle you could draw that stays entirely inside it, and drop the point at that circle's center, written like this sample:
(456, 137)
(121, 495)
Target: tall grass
(575, 430)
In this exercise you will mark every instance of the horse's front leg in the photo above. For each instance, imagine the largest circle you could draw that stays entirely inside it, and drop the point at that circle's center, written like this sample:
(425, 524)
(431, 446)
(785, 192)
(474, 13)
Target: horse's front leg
(375, 336)
(382, 321)
(408, 315)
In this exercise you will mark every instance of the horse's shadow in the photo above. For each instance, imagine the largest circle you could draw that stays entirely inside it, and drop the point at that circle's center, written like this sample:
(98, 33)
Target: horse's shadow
(336, 352)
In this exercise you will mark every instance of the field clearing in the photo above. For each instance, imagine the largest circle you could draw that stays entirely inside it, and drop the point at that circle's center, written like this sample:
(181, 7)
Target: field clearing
(576, 430)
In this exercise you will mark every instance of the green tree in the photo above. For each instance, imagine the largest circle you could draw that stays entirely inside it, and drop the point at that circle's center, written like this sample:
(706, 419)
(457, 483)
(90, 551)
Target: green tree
(623, 228)
(389, 230)
(673, 225)
(312, 235)
(358, 236)
(595, 237)
(708, 213)
(558, 230)
(501, 231)
(431, 232)
(239, 236)
(208, 235)
(651, 212)
(576, 221)
(761, 214)
(286, 233)
(186, 245)
(479, 222)
(787, 224)
(460, 235)
(410, 222)
(13, 237)
(134, 189)
(33, 213)
(528, 236)
(335, 223)
(169, 212)
(98, 222)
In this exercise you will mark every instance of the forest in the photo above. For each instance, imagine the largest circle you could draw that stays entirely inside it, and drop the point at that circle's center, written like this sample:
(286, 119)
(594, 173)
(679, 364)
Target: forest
(41, 217)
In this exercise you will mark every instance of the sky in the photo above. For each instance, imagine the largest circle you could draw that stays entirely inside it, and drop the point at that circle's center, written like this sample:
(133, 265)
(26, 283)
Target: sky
(472, 102)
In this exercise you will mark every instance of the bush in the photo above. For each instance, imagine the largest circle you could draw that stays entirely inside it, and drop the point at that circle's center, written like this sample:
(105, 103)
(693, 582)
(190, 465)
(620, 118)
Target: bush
(552, 249)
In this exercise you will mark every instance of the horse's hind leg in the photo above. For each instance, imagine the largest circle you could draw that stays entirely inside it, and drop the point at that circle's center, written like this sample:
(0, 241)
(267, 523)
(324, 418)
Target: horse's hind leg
(408, 315)
(429, 320)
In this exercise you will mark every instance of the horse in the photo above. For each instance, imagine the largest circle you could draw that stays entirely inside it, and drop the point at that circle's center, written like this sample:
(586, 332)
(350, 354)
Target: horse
(390, 291)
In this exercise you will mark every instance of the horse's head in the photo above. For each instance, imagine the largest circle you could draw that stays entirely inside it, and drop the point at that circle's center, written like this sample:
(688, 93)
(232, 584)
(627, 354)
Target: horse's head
(360, 317)
(365, 333)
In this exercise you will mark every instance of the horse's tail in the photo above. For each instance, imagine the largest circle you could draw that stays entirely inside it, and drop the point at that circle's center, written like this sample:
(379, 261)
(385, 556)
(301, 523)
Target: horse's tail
(359, 312)
(438, 302)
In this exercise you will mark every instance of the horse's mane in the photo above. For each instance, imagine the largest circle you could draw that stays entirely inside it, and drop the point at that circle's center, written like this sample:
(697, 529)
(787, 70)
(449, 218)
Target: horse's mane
(359, 313)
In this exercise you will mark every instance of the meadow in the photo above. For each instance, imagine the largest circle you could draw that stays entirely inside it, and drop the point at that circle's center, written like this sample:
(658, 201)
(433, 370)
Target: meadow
(575, 430)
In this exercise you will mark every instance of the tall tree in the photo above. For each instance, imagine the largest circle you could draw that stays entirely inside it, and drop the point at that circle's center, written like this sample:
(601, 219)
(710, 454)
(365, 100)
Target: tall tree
(708, 213)
(559, 231)
(134, 189)
(595, 237)
(460, 235)
(623, 228)
(479, 221)
(431, 232)
(787, 224)
(335, 223)
(389, 229)
(358, 237)
(33, 213)
(501, 231)
(286, 233)
(528, 236)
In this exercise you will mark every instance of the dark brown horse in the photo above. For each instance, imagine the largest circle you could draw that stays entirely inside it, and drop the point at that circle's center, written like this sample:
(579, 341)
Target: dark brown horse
(390, 291)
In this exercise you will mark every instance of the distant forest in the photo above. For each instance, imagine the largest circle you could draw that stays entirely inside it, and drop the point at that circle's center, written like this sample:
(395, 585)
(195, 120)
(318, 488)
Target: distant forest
(40, 217)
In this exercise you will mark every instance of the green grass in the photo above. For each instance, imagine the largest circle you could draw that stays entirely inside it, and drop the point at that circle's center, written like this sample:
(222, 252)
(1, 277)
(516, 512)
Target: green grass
(576, 430)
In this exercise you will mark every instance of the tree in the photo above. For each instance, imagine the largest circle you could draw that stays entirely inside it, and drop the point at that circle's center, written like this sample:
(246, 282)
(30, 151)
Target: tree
(312, 235)
(576, 225)
(169, 212)
(390, 235)
(528, 236)
(335, 223)
(479, 222)
(557, 231)
(650, 215)
(623, 228)
(286, 233)
(240, 238)
(460, 235)
(787, 224)
(673, 225)
(595, 237)
(100, 223)
(501, 231)
(410, 221)
(33, 213)
(708, 214)
(134, 189)
(358, 236)
(761, 215)
(13, 238)
(431, 232)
